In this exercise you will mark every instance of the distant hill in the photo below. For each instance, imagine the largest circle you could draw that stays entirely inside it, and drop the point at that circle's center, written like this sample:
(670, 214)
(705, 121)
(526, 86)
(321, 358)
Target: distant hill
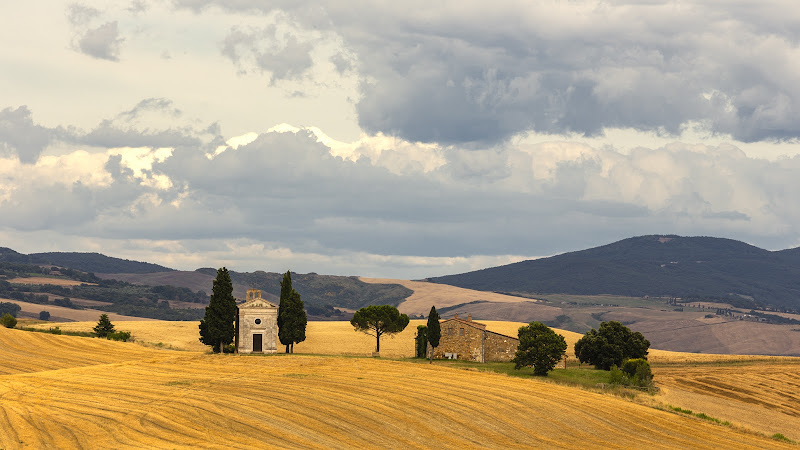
(85, 262)
(674, 266)
(317, 291)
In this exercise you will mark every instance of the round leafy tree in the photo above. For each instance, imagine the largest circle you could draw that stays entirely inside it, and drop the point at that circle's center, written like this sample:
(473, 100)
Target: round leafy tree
(377, 320)
(539, 347)
(611, 345)
(8, 321)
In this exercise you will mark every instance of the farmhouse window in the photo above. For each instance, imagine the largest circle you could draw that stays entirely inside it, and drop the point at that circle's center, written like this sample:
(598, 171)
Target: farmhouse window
(450, 331)
(460, 331)
(258, 321)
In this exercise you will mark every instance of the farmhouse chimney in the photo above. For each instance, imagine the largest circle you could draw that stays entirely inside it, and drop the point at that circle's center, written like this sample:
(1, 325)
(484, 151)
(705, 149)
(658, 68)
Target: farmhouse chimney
(455, 316)
(469, 318)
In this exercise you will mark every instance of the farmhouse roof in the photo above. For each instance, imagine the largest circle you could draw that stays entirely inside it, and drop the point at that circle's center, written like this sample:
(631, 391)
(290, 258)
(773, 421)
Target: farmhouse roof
(468, 322)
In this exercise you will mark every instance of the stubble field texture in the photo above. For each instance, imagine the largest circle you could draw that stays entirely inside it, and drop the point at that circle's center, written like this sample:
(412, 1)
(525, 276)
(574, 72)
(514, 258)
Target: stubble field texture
(69, 392)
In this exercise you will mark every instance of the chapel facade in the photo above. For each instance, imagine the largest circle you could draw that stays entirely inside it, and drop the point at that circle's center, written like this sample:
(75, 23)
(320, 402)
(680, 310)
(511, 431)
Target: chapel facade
(256, 325)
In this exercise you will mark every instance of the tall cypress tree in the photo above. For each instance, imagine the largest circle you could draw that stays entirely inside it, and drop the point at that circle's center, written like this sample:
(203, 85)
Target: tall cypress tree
(217, 328)
(434, 330)
(295, 321)
(283, 310)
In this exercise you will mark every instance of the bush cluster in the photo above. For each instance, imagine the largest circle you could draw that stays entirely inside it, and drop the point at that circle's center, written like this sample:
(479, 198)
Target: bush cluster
(634, 372)
(8, 320)
(123, 336)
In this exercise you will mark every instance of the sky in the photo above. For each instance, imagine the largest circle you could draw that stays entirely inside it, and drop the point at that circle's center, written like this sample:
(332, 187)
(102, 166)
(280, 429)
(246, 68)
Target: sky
(394, 139)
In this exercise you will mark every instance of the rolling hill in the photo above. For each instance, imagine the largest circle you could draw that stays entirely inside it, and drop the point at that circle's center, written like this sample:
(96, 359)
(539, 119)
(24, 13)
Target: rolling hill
(85, 262)
(112, 394)
(657, 266)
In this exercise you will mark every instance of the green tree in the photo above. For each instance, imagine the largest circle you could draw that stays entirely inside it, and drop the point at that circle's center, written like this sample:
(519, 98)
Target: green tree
(377, 320)
(611, 345)
(283, 307)
(293, 329)
(8, 320)
(217, 327)
(421, 340)
(540, 347)
(104, 326)
(44, 315)
(434, 330)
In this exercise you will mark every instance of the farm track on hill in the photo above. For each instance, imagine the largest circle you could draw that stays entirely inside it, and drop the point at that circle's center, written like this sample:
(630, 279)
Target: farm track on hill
(154, 398)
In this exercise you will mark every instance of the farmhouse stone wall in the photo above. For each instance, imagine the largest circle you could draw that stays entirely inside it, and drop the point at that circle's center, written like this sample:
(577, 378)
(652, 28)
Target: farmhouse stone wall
(470, 341)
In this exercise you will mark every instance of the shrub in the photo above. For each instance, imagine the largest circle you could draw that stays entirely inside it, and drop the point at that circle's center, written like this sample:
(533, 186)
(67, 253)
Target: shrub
(638, 371)
(617, 376)
(123, 336)
(44, 315)
(8, 320)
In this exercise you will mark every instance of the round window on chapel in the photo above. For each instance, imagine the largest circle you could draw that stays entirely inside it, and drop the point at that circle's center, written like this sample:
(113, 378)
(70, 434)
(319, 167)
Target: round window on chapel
(258, 321)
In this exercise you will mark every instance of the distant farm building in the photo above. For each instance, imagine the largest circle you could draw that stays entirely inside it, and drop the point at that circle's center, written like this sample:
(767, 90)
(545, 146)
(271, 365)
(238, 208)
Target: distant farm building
(256, 325)
(470, 341)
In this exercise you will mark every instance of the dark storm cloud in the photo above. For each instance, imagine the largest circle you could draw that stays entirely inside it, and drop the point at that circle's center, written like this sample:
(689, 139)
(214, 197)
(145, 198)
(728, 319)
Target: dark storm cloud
(484, 71)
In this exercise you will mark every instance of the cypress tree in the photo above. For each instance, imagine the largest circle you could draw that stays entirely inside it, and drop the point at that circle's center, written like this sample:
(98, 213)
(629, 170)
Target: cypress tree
(216, 328)
(434, 330)
(294, 322)
(283, 310)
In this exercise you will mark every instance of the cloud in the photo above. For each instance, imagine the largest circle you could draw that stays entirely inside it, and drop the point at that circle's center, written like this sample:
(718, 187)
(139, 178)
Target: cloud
(284, 56)
(21, 136)
(102, 42)
(297, 194)
(484, 73)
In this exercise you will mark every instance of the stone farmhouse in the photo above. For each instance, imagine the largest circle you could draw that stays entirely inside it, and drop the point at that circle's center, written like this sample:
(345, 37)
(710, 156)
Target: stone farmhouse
(471, 341)
(256, 325)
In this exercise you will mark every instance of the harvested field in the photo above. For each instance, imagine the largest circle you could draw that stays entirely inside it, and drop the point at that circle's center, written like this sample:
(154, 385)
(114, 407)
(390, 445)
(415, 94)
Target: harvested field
(48, 280)
(33, 309)
(25, 352)
(163, 400)
(170, 335)
(762, 394)
(322, 338)
(443, 295)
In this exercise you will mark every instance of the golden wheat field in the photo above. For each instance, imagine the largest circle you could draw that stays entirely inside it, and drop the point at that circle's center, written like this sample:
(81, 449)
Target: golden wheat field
(133, 396)
(322, 338)
(48, 280)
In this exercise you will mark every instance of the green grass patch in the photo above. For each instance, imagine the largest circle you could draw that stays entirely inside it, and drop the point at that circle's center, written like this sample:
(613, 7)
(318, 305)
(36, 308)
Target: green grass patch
(587, 377)
(58, 330)
(703, 416)
(782, 438)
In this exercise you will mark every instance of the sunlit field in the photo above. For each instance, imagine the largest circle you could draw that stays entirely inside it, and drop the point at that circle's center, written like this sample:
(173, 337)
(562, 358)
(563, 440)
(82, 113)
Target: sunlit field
(114, 394)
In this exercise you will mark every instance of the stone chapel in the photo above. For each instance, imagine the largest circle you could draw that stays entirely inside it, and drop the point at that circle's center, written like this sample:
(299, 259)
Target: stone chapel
(256, 325)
